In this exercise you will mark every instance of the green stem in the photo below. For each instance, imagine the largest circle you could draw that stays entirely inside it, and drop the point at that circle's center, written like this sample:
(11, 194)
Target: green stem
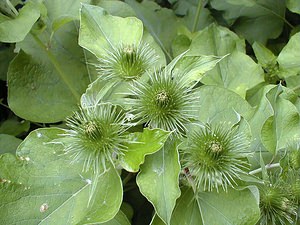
(197, 16)
(268, 166)
(127, 178)
(12, 8)
(56, 65)
(296, 88)
(6, 106)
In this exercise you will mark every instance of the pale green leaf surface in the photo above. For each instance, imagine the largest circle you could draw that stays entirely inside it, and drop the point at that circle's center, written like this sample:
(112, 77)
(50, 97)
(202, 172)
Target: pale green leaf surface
(186, 211)
(219, 104)
(60, 21)
(289, 57)
(283, 127)
(14, 127)
(42, 179)
(141, 144)
(180, 44)
(119, 219)
(262, 112)
(8, 143)
(108, 199)
(264, 56)
(293, 5)
(15, 30)
(47, 79)
(158, 180)
(188, 10)
(239, 207)
(66, 8)
(237, 72)
(116, 7)
(194, 67)
(255, 20)
(100, 31)
(216, 40)
(160, 22)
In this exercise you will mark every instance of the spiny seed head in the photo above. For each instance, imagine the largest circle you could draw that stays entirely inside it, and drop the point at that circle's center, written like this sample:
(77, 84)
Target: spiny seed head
(294, 155)
(95, 135)
(163, 102)
(295, 189)
(215, 156)
(276, 205)
(126, 62)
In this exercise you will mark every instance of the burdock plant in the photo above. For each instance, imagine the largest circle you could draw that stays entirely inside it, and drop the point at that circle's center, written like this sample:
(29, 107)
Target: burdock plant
(214, 157)
(164, 101)
(95, 136)
(277, 205)
(126, 62)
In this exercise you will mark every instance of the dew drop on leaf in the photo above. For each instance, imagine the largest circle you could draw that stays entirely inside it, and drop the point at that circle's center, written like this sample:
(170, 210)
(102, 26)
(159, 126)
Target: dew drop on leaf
(44, 207)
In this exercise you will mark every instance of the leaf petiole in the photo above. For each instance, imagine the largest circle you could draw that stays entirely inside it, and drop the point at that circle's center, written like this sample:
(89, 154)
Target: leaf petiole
(268, 166)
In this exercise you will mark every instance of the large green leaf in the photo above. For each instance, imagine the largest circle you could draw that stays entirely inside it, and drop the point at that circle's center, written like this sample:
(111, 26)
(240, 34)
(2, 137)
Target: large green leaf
(264, 56)
(119, 219)
(160, 22)
(288, 58)
(186, 210)
(48, 76)
(158, 180)
(226, 105)
(219, 41)
(141, 144)
(13, 126)
(15, 29)
(6, 55)
(255, 20)
(188, 9)
(263, 110)
(100, 31)
(194, 67)
(293, 5)
(107, 199)
(115, 7)
(239, 207)
(216, 40)
(40, 186)
(8, 143)
(282, 127)
(228, 73)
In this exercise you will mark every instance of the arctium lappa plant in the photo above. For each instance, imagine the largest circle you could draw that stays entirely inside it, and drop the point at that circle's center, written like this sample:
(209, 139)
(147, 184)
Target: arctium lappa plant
(163, 101)
(215, 156)
(96, 136)
(149, 112)
(126, 62)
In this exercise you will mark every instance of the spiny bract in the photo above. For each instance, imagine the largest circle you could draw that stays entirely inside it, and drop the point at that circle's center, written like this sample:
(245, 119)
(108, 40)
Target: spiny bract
(96, 136)
(215, 157)
(277, 205)
(164, 102)
(126, 62)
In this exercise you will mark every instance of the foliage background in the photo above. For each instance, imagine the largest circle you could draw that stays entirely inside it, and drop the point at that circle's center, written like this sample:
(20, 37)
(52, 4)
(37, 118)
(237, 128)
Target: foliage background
(45, 69)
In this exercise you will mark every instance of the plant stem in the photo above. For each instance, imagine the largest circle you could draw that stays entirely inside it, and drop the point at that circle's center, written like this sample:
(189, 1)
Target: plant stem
(197, 16)
(268, 166)
(127, 178)
(6, 106)
(12, 8)
(296, 88)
